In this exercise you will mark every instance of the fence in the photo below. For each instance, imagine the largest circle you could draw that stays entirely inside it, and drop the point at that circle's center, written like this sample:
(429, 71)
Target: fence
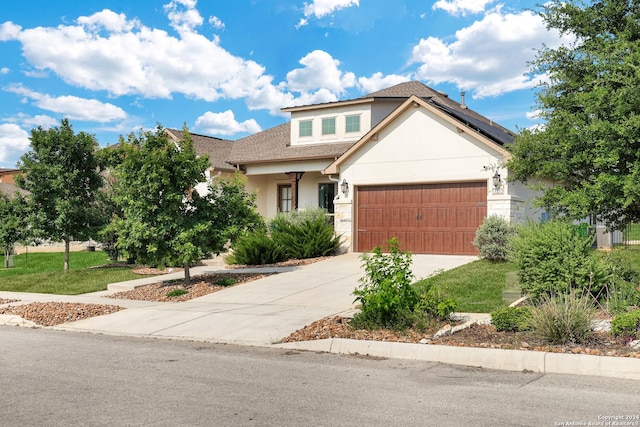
(631, 236)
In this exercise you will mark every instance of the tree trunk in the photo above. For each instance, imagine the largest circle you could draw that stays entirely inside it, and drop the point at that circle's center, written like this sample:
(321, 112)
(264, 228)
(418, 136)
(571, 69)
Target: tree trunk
(66, 254)
(187, 273)
(6, 258)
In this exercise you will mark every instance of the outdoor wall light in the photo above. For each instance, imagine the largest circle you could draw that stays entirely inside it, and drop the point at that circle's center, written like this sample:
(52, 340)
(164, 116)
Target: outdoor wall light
(344, 187)
(496, 180)
(497, 183)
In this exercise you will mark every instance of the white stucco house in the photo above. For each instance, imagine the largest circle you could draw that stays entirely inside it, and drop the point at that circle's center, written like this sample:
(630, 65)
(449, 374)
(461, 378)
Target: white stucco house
(406, 162)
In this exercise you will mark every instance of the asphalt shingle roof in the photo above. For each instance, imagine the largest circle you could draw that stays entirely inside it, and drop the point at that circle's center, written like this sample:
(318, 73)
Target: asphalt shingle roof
(217, 149)
(273, 145)
(449, 106)
(10, 189)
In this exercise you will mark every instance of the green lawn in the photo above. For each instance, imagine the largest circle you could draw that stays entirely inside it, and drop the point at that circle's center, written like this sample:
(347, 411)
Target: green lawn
(43, 273)
(477, 286)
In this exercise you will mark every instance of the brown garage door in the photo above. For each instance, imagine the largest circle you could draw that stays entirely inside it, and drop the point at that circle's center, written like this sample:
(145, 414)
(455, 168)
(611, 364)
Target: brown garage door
(426, 218)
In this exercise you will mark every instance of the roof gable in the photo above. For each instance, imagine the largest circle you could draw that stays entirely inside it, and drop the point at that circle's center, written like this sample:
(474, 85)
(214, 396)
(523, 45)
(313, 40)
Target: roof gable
(415, 102)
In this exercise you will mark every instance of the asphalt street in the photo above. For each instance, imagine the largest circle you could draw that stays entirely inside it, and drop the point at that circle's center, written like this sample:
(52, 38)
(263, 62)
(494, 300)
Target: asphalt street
(58, 378)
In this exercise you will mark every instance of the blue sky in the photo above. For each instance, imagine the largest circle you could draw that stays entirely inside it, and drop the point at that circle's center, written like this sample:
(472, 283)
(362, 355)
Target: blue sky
(225, 68)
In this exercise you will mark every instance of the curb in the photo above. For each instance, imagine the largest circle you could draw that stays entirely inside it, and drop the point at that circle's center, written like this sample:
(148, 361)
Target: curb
(15, 320)
(488, 358)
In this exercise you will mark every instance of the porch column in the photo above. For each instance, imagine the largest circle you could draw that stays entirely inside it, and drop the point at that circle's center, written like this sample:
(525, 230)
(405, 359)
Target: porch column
(294, 177)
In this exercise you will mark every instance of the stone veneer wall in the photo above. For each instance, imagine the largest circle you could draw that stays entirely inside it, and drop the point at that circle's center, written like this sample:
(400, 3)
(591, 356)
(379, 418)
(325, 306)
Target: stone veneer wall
(343, 223)
(508, 208)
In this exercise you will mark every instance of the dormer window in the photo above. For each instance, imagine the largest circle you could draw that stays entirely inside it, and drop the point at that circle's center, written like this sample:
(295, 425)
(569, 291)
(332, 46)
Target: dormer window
(352, 123)
(329, 126)
(305, 128)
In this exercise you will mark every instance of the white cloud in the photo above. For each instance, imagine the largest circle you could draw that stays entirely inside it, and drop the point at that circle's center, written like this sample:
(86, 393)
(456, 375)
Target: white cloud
(225, 124)
(183, 15)
(489, 57)
(4, 70)
(42, 120)
(216, 22)
(13, 141)
(109, 52)
(462, 7)
(379, 81)
(320, 71)
(127, 58)
(321, 8)
(72, 107)
(108, 20)
(9, 31)
(534, 115)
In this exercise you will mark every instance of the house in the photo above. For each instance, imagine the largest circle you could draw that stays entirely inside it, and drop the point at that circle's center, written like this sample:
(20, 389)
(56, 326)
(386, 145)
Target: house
(7, 182)
(406, 162)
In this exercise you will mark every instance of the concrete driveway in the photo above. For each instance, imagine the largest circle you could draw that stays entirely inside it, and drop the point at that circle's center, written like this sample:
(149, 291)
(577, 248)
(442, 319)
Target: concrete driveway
(256, 313)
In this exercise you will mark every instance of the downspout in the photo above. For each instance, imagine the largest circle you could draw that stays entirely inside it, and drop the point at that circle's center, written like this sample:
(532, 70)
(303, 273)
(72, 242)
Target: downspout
(337, 181)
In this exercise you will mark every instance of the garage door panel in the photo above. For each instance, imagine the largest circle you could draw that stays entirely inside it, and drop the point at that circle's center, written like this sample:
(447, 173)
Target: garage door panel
(372, 239)
(400, 218)
(425, 218)
(436, 217)
(370, 218)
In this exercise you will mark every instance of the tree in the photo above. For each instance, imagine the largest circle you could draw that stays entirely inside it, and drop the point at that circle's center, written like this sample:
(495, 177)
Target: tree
(165, 221)
(589, 147)
(13, 226)
(62, 174)
(235, 208)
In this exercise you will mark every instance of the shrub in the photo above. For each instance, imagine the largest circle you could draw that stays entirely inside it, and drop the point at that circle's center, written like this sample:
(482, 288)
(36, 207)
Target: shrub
(564, 319)
(553, 258)
(621, 290)
(493, 238)
(627, 324)
(512, 319)
(386, 296)
(431, 302)
(305, 234)
(176, 292)
(256, 248)
(226, 281)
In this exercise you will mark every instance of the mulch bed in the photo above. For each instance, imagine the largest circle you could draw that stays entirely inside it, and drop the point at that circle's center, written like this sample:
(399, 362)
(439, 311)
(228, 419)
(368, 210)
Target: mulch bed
(482, 336)
(200, 286)
(56, 313)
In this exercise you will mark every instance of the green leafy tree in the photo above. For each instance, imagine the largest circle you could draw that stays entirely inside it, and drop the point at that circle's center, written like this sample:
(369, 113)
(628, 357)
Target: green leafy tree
(590, 143)
(62, 174)
(235, 208)
(13, 226)
(164, 220)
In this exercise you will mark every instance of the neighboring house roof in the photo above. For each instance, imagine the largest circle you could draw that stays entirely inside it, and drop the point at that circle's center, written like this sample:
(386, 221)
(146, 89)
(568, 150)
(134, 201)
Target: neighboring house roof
(273, 145)
(10, 189)
(334, 167)
(217, 149)
(8, 173)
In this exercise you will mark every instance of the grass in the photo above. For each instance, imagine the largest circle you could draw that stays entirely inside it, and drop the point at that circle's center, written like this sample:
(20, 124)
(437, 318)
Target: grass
(43, 273)
(477, 286)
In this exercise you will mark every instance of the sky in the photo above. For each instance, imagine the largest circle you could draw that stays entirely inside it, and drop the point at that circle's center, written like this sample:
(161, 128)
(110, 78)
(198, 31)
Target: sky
(226, 68)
